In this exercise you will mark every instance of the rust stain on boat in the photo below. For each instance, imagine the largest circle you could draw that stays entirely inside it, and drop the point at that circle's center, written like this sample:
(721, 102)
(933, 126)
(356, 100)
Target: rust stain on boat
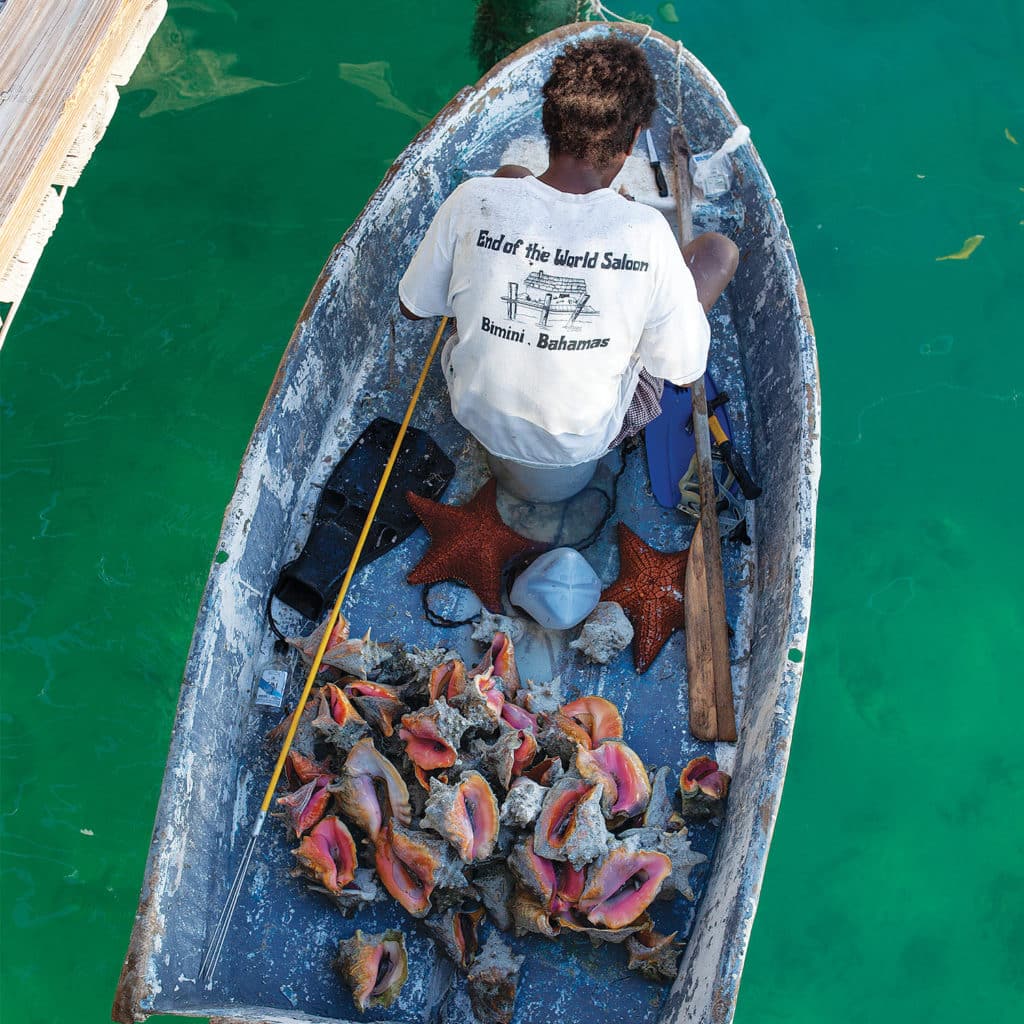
(132, 987)
(721, 1006)
(492, 94)
(237, 1020)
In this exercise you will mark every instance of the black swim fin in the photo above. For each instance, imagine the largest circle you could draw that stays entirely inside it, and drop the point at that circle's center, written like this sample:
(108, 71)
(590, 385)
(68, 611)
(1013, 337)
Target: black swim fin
(310, 583)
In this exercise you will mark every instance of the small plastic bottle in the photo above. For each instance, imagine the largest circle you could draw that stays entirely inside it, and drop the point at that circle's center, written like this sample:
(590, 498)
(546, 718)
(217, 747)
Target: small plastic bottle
(272, 679)
(712, 172)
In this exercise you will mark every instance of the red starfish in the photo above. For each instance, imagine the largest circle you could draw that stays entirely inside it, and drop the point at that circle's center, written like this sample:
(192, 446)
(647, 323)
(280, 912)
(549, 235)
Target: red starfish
(468, 543)
(650, 590)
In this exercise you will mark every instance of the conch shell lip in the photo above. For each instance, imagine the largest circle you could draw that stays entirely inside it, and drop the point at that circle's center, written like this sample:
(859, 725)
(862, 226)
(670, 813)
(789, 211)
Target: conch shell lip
(466, 814)
(447, 679)
(500, 658)
(370, 790)
(378, 702)
(703, 774)
(335, 703)
(307, 804)
(622, 886)
(432, 735)
(519, 718)
(328, 854)
(375, 967)
(571, 824)
(621, 773)
(405, 869)
(300, 769)
(598, 717)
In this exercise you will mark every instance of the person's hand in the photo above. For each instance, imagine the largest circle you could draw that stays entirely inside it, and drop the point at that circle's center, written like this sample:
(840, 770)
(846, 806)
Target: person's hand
(625, 194)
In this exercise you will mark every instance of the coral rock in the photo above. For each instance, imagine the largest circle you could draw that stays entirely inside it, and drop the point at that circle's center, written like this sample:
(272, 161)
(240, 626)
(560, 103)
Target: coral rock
(606, 632)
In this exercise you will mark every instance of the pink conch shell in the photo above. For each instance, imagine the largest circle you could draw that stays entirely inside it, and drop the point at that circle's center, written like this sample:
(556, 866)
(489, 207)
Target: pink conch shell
(546, 772)
(328, 854)
(409, 864)
(378, 703)
(654, 956)
(300, 769)
(457, 933)
(370, 790)
(577, 922)
(466, 814)
(480, 702)
(360, 658)
(337, 720)
(501, 658)
(307, 646)
(569, 886)
(557, 885)
(525, 753)
(703, 774)
(308, 804)
(432, 735)
(598, 717)
(374, 967)
(447, 680)
(519, 718)
(560, 735)
(530, 915)
(571, 826)
(622, 776)
(622, 886)
(535, 873)
(508, 756)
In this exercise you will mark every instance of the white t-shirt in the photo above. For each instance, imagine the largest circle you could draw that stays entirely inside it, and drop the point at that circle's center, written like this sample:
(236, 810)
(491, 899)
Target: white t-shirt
(560, 300)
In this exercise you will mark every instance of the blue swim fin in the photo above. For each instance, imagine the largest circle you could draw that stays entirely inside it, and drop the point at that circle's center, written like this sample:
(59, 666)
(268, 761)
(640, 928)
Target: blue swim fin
(670, 447)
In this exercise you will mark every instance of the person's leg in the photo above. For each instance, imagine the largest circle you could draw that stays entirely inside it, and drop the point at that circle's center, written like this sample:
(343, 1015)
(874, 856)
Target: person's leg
(712, 259)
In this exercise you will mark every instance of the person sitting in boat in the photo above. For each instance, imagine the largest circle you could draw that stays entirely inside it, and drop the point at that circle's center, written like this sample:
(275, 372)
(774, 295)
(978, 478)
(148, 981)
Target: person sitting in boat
(573, 305)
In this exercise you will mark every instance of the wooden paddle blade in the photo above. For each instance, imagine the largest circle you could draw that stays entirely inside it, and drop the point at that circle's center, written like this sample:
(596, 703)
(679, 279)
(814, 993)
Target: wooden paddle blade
(700, 661)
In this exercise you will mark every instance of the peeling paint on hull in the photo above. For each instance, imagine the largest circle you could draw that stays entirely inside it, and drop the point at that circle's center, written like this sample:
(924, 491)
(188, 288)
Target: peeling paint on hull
(351, 358)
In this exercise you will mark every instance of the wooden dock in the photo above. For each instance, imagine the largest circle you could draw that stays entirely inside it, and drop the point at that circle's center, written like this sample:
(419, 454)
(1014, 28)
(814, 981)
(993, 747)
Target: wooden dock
(60, 64)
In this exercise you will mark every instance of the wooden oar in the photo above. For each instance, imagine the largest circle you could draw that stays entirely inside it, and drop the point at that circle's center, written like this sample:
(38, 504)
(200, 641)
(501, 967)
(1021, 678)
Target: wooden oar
(709, 675)
(216, 945)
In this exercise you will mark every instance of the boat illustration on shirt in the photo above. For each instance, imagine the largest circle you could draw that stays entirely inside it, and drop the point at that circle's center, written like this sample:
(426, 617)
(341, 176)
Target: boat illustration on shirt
(549, 299)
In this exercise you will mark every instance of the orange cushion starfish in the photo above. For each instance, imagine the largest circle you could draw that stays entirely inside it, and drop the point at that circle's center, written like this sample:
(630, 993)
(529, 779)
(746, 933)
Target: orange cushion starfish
(650, 590)
(468, 543)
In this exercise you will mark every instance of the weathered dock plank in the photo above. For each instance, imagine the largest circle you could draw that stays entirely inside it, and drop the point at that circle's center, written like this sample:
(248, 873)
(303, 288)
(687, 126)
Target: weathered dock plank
(60, 64)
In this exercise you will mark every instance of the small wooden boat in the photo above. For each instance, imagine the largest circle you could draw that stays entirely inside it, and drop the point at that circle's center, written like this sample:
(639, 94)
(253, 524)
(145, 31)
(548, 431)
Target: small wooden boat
(351, 358)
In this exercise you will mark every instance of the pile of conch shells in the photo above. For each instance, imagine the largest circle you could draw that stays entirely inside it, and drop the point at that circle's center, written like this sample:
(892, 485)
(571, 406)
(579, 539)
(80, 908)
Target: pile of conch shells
(473, 796)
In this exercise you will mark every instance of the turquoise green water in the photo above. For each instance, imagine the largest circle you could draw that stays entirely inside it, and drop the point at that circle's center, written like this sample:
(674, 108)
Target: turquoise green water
(139, 361)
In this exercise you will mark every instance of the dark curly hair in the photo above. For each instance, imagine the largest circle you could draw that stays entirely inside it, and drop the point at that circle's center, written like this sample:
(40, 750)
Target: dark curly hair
(598, 93)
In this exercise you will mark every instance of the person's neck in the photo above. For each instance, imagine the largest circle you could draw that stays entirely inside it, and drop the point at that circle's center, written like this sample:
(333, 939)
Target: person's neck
(578, 177)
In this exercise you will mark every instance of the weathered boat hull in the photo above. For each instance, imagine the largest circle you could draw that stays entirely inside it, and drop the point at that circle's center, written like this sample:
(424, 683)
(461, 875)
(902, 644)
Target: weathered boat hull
(351, 358)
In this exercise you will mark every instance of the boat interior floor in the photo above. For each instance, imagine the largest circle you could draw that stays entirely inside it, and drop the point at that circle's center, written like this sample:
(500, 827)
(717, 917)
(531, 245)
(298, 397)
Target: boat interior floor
(283, 936)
